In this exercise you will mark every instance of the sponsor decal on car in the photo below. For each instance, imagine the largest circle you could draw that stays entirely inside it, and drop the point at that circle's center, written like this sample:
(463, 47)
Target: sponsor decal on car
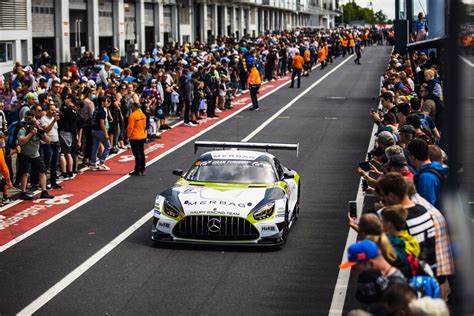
(268, 230)
(164, 226)
(213, 212)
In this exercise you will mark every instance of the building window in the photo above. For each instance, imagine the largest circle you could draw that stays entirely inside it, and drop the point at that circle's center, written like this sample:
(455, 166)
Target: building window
(184, 14)
(6, 52)
(13, 15)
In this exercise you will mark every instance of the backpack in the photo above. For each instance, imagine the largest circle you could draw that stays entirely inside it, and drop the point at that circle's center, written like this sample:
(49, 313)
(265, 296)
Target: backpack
(12, 132)
(441, 177)
(425, 286)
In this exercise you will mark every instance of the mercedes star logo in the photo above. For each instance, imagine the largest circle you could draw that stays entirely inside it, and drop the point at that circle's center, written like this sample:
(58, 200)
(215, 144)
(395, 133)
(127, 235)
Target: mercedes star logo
(214, 225)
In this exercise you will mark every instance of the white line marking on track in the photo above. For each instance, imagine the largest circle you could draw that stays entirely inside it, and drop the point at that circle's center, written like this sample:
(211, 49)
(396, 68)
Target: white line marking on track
(340, 290)
(290, 104)
(125, 177)
(467, 61)
(76, 273)
(86, 265)
(330, 118)
(336, 98)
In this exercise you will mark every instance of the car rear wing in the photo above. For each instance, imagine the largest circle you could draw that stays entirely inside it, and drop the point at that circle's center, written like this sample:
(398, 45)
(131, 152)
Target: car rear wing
(244, 145)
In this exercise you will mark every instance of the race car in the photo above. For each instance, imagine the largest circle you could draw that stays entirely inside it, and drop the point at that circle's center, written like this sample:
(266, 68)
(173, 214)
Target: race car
(233, 196)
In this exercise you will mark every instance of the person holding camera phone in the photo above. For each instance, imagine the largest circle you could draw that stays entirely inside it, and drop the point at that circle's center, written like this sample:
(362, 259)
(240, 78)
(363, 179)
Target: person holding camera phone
(29, 138)
(51, 150)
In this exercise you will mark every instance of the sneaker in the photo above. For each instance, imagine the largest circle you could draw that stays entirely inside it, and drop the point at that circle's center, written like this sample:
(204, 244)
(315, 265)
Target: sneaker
(63, 177)
(113, 151)
(71, 175)
(46, 195)
(26, 197)
(189, 124)
(143, 173)
(194, 122)
(218, 110)
(134, 173)
(7, 200)
(103, 167)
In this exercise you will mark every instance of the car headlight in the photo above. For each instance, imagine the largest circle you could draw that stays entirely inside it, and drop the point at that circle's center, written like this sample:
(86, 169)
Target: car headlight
(170, 210)
(264, 212)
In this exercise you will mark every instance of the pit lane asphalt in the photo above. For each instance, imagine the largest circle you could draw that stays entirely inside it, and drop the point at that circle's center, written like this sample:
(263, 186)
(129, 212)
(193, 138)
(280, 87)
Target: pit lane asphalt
(138, 278)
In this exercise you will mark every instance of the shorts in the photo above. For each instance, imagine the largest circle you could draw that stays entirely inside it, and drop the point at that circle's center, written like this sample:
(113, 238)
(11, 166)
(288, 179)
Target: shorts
(24, 163)
(66, 141)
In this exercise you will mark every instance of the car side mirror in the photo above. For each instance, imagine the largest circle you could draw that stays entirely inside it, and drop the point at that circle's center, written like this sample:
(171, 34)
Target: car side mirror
(288, 175)
(178, 172)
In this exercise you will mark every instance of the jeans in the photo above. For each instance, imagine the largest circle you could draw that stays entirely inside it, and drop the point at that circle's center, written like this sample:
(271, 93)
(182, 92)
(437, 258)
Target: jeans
(98, 137)
(138, 150)
(51, 158)
(253, 94)
(296, 73)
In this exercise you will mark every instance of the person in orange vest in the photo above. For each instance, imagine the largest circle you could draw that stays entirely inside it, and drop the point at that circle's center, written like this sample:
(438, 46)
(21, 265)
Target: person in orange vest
(307, 61)
(344, 44)
(322, 55)
(297, 66)
(253, 82)
(137, 136)
(351, 43)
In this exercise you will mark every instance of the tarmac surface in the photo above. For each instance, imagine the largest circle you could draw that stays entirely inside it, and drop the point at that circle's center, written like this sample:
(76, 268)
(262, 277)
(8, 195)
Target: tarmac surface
(331, 123)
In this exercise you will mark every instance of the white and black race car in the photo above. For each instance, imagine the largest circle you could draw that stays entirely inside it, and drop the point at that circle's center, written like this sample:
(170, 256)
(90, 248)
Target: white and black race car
(233, 196)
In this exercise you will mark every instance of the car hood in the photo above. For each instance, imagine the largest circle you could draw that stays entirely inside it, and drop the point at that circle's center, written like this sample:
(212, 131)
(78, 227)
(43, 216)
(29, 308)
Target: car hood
(203, 200)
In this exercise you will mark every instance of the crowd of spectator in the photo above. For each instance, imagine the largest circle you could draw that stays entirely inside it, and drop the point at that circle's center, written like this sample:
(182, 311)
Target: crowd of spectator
(58, 122)
(404, 259)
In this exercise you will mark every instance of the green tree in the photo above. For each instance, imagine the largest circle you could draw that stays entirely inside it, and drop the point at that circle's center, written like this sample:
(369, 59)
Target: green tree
(352, 12)
(380, 17)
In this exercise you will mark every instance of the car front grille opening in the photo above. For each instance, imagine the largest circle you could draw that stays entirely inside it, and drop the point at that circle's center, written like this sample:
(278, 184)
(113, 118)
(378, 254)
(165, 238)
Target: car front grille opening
(209, 227)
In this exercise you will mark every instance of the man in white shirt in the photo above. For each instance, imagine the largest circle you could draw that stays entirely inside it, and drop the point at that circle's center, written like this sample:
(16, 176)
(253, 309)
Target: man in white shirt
(49, 122)
(103, 77)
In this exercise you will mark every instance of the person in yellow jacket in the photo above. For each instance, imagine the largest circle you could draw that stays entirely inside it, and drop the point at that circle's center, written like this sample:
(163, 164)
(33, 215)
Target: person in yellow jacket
(253, 82)
(137, 136)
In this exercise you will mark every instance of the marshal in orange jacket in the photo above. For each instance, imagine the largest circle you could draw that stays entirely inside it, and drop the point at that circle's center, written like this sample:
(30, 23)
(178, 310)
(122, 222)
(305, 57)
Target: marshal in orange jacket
(298, 61)
(136, 125)
(254, 77)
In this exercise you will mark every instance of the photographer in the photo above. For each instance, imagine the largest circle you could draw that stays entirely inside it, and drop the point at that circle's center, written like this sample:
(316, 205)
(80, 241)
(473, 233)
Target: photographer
(29, 138)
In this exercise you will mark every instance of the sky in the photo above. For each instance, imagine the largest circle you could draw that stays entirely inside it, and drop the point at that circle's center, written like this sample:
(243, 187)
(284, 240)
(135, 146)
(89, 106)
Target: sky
(388, 6)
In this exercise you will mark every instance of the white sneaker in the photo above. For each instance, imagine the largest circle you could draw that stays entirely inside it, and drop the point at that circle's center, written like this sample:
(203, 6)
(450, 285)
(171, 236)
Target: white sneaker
(218, 111)
(103, 167)
(189, 124)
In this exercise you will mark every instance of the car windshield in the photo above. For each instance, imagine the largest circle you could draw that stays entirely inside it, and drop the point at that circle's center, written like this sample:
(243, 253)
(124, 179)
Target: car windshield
(232, 171)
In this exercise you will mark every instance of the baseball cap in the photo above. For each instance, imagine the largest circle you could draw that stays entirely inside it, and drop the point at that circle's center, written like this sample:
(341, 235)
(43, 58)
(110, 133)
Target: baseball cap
(397, 161)
(385, 138)
(84, 79)
(30, 95)
(359, 252)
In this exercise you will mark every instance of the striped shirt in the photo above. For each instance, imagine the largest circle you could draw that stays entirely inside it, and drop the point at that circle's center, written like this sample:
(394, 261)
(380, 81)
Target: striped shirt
(420, 225)
(444, 255)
